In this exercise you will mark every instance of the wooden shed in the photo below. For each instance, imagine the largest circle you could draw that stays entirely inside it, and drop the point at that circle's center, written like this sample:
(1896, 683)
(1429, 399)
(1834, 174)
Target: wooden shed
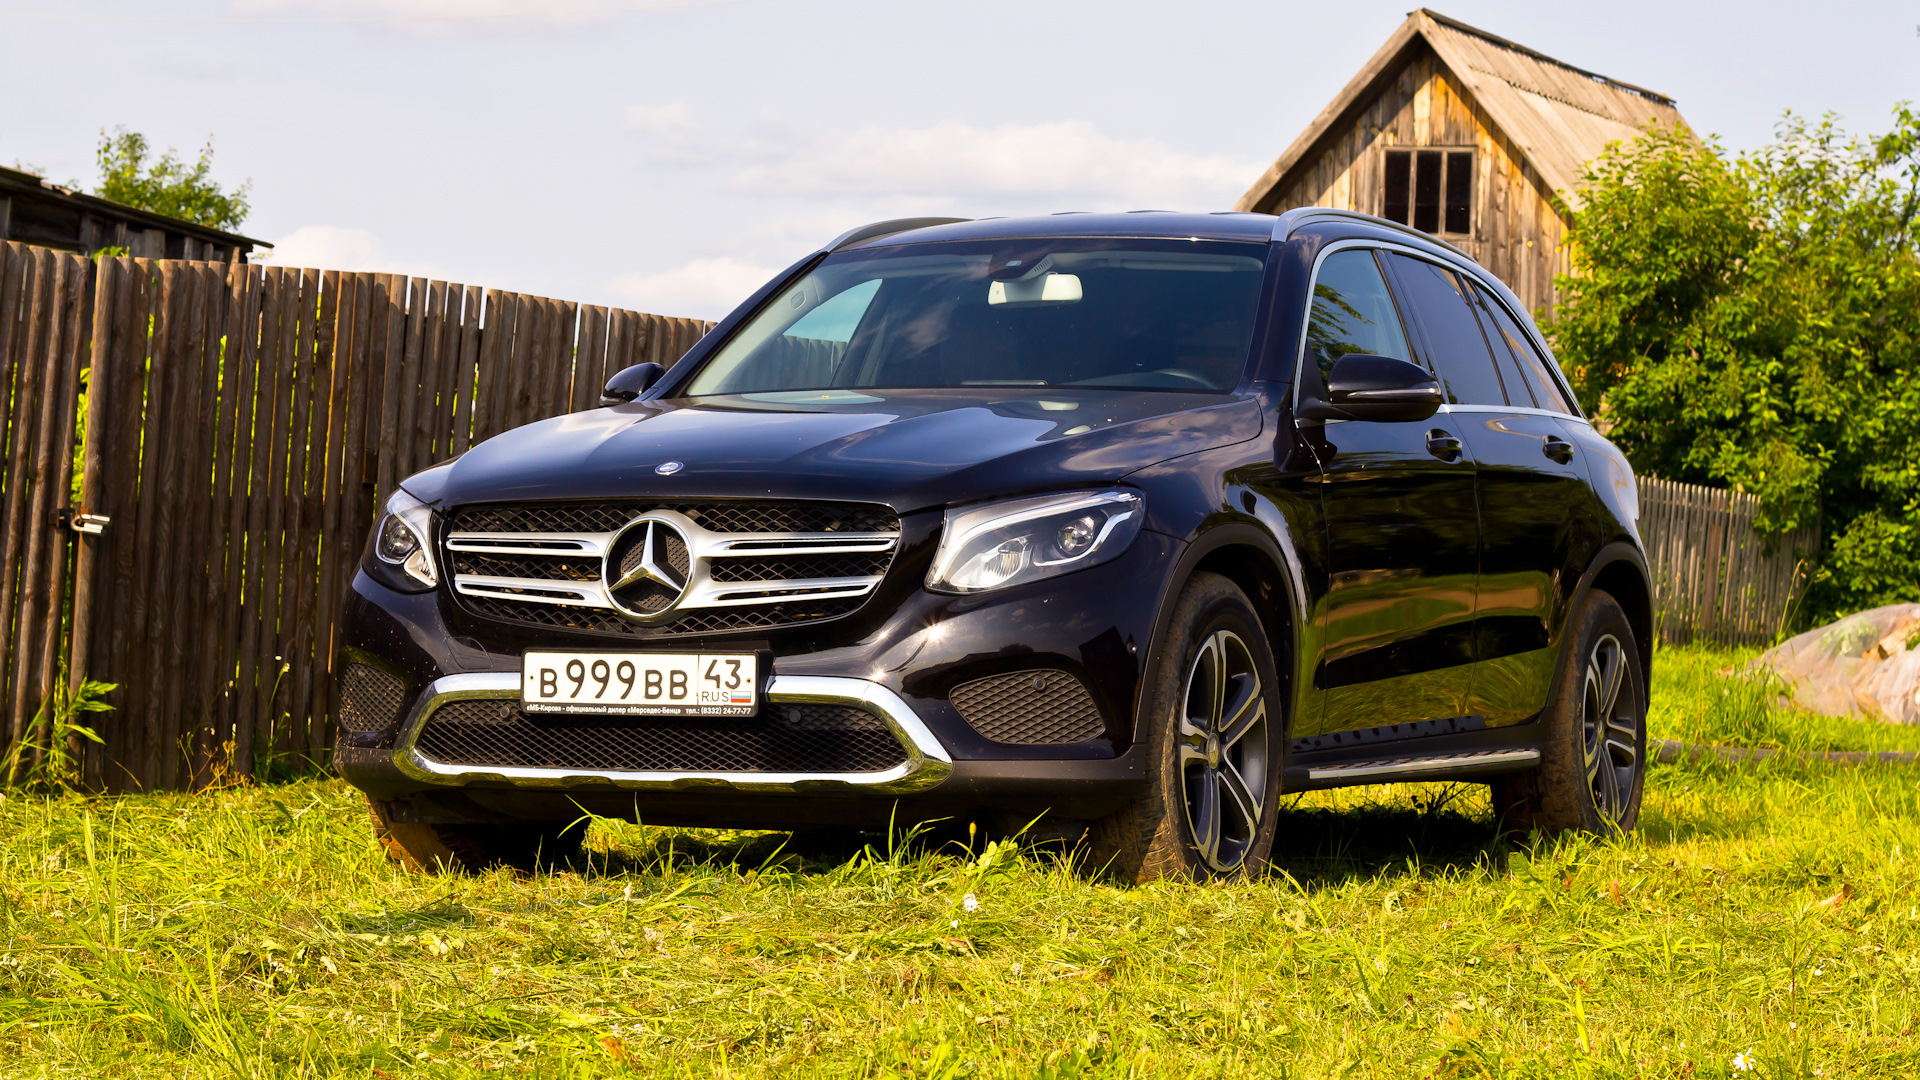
(33, 211)
(1466, 136)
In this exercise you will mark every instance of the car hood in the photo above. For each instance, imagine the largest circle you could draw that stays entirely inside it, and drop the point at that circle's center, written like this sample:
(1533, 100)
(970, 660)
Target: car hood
(908, 449)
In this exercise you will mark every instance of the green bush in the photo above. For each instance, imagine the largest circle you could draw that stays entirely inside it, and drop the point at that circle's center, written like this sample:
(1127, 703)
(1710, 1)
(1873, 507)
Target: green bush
(1751, 322)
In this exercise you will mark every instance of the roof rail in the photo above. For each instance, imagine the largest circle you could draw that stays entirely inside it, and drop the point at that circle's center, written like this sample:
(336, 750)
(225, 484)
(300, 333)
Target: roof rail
(884, 228)
(1293, 220)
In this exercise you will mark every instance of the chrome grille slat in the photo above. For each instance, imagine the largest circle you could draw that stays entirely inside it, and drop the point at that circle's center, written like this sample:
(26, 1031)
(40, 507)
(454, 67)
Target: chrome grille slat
(505, 565)
(734, 593)
(545, 590)
(804, 544)
(593, 544)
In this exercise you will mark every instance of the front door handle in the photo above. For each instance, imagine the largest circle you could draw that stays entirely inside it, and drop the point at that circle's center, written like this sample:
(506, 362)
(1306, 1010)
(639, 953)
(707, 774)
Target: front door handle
(1558, 449)
(1443, 445)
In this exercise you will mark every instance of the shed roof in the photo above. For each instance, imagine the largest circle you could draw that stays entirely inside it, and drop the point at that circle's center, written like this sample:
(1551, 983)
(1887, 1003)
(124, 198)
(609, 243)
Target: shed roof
(18, 182)
(1560, 116)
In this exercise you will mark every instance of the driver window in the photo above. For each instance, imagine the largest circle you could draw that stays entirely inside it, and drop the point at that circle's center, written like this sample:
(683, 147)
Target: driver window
(1352, 313)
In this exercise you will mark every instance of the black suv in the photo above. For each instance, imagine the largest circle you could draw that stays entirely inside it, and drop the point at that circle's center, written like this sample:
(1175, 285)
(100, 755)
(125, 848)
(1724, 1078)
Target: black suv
(1134, 522)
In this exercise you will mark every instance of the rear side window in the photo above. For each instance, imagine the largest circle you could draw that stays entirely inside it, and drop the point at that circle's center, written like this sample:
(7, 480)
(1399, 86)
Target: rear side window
(1521, 391)
(1352, 312)
(1457, 351)
(1507, 333)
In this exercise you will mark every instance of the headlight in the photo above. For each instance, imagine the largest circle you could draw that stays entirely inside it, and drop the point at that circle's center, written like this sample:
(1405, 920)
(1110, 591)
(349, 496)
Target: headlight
(1022, 540)
(402, 538)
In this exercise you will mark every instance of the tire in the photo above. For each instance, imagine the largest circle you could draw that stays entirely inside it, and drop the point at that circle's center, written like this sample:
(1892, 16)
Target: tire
(437, 849)
(1593, 761)
(1214, 745)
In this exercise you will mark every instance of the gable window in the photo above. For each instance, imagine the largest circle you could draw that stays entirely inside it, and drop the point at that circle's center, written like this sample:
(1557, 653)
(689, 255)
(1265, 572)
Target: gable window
(1431, 190)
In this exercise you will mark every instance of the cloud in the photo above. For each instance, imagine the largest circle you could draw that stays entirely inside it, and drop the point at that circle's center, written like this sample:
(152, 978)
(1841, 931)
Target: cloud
(1065, 164)
(443, 17)
(704, 288)
(793, 189)
(332, 247)
(660, 119)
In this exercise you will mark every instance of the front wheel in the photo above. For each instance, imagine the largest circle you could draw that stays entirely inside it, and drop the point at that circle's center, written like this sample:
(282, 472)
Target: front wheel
(1214, 747)
(1593, 762)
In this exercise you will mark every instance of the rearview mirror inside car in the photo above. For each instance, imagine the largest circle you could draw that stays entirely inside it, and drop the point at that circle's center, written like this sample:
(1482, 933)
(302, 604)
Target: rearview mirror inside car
(1044, 289)
(1367, 387)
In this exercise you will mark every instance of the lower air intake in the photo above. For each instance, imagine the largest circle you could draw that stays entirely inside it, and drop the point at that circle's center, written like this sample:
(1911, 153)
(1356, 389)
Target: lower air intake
(783, 739)
(370, 699)
(1025, 708)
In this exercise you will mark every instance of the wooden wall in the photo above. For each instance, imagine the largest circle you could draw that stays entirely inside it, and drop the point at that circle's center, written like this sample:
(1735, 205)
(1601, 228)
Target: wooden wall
(1517, 232)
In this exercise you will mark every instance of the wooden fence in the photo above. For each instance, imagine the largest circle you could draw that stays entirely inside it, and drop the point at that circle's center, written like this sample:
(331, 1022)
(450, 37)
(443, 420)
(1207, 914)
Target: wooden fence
(241, 425)
(45, 305)
(1714, 577)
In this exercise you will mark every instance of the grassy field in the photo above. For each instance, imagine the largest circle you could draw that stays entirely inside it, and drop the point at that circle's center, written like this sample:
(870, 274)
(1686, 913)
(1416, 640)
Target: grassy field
(1764, 922)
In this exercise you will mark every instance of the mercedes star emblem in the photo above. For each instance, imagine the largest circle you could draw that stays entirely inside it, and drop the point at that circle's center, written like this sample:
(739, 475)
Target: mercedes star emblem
(649, 567)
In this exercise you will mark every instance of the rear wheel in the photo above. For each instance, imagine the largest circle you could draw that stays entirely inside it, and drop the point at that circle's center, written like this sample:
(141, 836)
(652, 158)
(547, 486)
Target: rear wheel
(1593, 763)
(1214, 749)
(436, 849)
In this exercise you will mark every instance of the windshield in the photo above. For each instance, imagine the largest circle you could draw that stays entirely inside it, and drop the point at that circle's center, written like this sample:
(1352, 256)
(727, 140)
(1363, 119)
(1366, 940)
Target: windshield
(1152, 314)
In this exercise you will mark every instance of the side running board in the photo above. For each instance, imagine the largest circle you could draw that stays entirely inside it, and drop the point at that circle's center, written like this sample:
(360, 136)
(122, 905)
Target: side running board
(1409, 769)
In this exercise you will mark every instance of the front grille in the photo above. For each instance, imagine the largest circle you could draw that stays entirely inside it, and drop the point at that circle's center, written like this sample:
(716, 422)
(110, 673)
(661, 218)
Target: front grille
(734, 565)
(370, 699)
(1029, 707)
(784, 738)
(721, 517)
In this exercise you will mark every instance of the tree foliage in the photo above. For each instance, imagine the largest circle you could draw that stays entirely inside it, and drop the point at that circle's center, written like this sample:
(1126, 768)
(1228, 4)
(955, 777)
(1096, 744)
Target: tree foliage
(167, 185)
(1752, 322)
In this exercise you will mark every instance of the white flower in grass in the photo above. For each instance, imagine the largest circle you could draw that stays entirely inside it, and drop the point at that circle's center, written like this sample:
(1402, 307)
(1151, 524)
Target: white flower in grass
(969, 902)
(1017, 968)
(1743, 1062)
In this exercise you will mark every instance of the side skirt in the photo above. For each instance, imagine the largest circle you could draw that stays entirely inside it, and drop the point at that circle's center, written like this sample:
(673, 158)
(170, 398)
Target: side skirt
(1468, 756)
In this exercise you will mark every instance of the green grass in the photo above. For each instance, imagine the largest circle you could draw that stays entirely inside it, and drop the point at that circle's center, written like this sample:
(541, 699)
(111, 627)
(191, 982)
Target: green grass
(1771, 911)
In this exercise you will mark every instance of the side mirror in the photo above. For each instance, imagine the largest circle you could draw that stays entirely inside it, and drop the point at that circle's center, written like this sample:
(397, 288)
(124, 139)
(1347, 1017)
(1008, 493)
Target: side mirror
(1379, 388)
(630, 383)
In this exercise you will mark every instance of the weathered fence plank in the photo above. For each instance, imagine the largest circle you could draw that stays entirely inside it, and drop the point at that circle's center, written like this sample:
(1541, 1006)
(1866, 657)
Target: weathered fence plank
(1714, 577)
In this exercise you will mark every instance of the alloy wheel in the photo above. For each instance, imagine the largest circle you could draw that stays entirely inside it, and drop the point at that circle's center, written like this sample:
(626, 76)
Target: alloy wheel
(1610, 729)
(1223, 751)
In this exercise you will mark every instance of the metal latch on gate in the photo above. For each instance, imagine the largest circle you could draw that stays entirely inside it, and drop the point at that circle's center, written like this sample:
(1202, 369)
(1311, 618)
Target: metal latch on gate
(90, 524)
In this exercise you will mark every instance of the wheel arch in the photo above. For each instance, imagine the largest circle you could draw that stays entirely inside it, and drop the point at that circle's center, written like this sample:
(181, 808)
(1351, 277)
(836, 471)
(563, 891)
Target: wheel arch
(1620, 571)
(1249, 556)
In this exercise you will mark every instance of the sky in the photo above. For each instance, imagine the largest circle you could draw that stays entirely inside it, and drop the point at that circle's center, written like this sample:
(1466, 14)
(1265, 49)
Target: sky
(670, 155)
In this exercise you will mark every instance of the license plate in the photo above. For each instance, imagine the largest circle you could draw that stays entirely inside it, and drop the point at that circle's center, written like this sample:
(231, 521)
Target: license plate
(641, 684)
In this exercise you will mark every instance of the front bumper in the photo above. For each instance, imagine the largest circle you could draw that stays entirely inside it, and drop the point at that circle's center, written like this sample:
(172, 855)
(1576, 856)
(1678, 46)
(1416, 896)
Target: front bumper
(897, 658)
(927, 762)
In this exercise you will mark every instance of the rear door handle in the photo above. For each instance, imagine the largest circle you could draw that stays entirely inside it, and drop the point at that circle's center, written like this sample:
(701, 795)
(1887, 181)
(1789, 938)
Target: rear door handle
(1443, 445)
(1556, 448)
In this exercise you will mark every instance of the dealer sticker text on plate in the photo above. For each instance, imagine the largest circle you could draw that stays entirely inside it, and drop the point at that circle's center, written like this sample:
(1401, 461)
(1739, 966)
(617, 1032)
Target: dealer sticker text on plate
(640, 684)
